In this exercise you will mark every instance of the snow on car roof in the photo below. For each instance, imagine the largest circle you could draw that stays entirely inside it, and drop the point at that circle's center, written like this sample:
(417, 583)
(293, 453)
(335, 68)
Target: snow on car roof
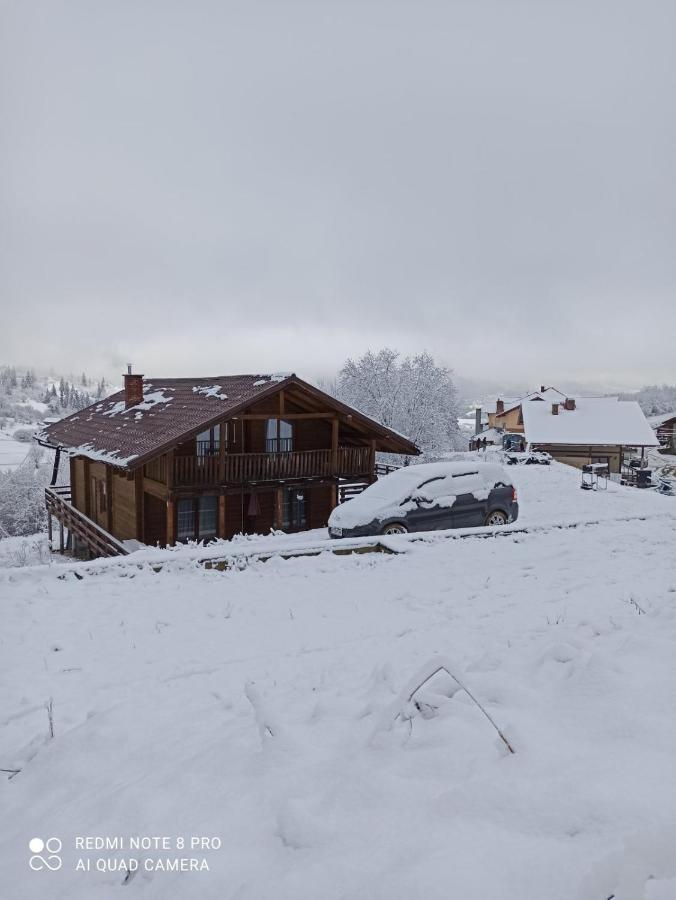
(409, 477)
(602, 421)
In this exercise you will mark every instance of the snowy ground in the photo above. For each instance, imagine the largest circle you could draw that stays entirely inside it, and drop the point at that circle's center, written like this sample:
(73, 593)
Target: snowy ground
(12, 453)
(264, 707)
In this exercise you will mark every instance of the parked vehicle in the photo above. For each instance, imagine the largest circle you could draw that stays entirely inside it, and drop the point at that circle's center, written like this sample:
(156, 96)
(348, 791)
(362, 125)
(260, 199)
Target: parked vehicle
(527, 458)
(429, 497)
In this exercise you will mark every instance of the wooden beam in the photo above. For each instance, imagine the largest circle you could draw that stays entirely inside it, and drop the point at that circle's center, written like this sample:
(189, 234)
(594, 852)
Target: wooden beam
(258, 417)
(109, 499)
(138, 496)
(73, 482)
(221, 516)
(87, 490)
(282, 401)
(155, 488)
(171, 536)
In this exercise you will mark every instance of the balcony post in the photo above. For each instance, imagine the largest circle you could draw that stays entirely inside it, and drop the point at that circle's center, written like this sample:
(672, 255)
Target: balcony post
(221, 452)
(335, 426)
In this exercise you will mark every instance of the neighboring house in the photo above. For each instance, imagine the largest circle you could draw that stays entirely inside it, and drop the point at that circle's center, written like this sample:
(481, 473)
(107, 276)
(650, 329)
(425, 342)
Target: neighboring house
(508, 414)
(507, 417)
(664, 427)
(590, 429)
(178, 459)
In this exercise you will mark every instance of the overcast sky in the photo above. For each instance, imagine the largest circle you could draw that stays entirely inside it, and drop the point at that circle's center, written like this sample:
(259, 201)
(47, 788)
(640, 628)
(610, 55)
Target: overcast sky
(212, 187)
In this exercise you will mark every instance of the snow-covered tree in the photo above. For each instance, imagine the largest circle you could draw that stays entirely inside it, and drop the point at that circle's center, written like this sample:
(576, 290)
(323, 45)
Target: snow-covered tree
(22, 496)
(412, 395)
(655, 399)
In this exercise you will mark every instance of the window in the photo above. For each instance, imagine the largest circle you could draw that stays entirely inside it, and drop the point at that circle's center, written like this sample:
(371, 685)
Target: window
(207, 517)
(285, 441)
(185, 530)
(197, 518)
(294, 510)
(208, 441)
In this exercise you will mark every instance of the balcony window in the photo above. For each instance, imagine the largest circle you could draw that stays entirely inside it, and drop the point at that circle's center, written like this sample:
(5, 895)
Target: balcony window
(208, 441)
(282, 443)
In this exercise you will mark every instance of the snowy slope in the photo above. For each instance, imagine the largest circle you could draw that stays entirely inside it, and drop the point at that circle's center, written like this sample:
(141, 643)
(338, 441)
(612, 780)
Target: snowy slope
(260, 706)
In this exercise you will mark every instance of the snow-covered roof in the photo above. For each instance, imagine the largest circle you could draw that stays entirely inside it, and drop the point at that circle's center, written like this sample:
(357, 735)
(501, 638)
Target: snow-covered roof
(172, 409)
(604, 421)
(550, 393)
(656, 421)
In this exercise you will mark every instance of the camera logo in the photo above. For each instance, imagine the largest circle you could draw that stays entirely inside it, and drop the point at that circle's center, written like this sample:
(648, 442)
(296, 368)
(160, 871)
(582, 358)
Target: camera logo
(52, 847)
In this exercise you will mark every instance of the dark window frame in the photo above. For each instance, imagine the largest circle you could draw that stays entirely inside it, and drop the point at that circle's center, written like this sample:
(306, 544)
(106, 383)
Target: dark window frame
(194, 513)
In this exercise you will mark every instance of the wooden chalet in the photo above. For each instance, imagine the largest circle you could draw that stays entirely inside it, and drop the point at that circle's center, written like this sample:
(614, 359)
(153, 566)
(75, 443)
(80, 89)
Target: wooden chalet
(168, 460)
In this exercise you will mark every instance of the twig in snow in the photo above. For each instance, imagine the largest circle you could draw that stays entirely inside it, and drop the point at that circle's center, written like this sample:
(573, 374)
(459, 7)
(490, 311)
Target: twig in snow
(267, 726)
(49, 706)
(10, 772)
(433, 667)
(638, 608)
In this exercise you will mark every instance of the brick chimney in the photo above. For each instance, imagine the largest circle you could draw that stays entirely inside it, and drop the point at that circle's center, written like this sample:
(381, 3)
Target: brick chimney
(542, 388)
(569, 404)
(555, 409)
(133, 388)
(500, 407)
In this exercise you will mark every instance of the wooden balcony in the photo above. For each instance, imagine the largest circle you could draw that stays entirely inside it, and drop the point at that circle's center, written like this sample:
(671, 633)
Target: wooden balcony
(244, 468)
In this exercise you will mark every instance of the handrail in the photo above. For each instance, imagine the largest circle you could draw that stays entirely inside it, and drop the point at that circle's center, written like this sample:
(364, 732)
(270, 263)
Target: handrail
(96, 537)
(244, 468)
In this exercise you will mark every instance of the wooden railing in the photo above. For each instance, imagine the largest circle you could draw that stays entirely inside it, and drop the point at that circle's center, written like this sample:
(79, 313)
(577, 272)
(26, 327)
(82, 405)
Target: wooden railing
(99, 541)
(241, 468)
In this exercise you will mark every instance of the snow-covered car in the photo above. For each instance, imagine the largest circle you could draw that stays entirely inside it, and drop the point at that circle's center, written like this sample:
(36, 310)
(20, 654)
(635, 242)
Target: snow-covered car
(429, 497)
(527, 458)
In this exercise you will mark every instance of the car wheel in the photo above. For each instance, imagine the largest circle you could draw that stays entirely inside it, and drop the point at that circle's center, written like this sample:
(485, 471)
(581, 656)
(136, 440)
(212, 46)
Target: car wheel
(395, 528)
(497, 517)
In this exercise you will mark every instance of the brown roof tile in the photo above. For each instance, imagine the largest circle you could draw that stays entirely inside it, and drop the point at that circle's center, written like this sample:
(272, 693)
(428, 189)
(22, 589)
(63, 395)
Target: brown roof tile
(172, 408)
